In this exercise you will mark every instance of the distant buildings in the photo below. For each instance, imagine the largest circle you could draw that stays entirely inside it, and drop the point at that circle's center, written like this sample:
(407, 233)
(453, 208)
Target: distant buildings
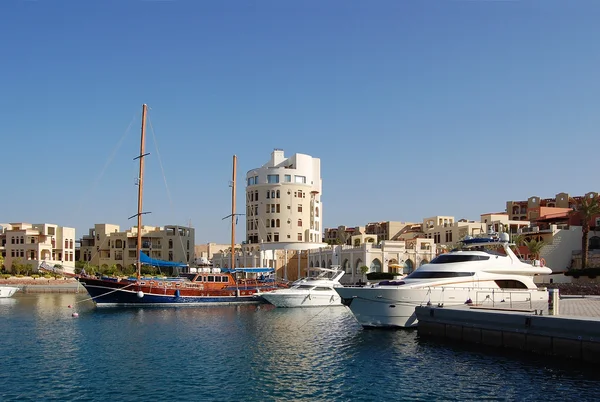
(30, 244)
(106, 245)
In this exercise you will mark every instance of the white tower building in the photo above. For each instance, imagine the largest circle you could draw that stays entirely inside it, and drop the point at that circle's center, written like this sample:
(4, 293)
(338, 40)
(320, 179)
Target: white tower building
(283, 201)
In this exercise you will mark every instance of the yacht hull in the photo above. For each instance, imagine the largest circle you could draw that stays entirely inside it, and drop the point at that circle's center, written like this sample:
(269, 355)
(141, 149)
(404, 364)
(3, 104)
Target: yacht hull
(395, 306)
(123, 294)
(7, 291)
(289, 298)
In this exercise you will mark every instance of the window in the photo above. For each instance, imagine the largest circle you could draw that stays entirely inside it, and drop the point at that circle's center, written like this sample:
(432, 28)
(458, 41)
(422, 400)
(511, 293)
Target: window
(272, 178)
(272, 223)
(278, 208)
(510, 284)
(268, 223)
(277, 223)
(272, 193)
(250, 181)
(269, 237)
(299, 236)
(448, 258)
(418, 274)
(299, 222)
(278, 194)
(268, 208)
(299, 207)
(268, 194)
(317, 212)
(300, 179)
(272, 208)
(276, 237)
(287, 178)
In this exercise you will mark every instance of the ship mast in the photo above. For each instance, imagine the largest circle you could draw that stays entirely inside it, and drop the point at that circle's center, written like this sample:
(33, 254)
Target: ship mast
(233, 215)
(140, 192)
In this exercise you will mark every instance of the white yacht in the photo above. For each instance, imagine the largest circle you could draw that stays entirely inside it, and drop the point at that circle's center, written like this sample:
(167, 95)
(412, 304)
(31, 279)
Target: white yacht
(485, 272)
(314, 291)
(7, 291)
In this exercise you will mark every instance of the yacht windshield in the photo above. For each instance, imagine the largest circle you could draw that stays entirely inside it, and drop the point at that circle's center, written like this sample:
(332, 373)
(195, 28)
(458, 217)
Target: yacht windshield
(418, 274)
(450, 258)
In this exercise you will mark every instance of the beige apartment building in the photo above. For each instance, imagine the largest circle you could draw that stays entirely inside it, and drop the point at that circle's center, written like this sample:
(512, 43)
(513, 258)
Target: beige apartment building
(106, 245)
(372, 232)
(36, 243)
(444, 230)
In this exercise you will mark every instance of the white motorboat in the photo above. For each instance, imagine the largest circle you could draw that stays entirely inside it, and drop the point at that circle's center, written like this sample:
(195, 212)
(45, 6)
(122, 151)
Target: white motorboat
(7, 291)
(313, 291)
(485, 272)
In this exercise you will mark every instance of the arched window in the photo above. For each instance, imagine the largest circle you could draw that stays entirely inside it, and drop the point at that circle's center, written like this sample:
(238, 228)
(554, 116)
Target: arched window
(272, 193)
(278, 194)
(272, 223)
(375, 265)
(357, 266)
(277, 222)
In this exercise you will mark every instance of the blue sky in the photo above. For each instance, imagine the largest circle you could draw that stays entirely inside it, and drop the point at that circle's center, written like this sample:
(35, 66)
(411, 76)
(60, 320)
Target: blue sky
(416, 108)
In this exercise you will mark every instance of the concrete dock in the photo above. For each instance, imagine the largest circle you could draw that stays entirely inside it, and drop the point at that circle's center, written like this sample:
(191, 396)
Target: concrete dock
(573, 333)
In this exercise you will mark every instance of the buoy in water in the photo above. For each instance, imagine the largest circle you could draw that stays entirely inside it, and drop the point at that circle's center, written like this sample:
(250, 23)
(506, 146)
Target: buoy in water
(140, 294)
(70, 306)
(75, 315)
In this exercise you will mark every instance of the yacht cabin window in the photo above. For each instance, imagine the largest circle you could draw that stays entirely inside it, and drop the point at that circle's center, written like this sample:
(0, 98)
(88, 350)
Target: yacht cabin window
(418, 274)
(451, 258)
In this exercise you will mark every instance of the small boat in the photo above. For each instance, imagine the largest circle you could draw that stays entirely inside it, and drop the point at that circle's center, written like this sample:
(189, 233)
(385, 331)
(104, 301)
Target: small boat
(7, 291)
(485, 272)
(211, 286)
(313, 291)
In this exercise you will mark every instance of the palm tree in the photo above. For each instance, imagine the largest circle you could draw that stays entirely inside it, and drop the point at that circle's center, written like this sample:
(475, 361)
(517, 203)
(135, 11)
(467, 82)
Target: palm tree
(518, 240)
(534, 247)
(586, 208)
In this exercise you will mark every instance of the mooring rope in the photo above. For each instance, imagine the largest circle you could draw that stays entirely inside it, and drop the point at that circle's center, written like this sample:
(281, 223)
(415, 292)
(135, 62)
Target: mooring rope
(104, 294)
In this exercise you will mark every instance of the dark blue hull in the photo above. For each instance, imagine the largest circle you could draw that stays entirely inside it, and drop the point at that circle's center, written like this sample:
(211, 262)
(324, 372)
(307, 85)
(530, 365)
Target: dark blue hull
(107, 294)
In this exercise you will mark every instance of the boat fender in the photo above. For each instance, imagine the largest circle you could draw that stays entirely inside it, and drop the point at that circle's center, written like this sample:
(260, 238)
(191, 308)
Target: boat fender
(140, 294)
(542, 262)
(177, 293)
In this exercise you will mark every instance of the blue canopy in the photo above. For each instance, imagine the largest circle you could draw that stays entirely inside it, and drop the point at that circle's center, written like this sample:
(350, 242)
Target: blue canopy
(248, 270)
(145, 259)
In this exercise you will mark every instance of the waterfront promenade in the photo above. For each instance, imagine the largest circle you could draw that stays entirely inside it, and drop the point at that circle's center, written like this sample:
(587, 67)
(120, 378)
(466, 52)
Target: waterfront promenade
(44, 285)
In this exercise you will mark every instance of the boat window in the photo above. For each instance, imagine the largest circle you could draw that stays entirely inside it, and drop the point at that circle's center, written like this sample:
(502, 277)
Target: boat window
(211, 278)
(510, 284)
(450, 258)
(418, 274)
(305, 287)
(323, 288)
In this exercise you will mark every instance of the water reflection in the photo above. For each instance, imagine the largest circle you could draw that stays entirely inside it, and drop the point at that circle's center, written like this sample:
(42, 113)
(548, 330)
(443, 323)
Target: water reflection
(232, 353)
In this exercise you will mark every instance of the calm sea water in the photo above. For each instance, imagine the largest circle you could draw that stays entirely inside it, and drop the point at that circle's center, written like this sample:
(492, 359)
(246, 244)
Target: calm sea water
(253, 353)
